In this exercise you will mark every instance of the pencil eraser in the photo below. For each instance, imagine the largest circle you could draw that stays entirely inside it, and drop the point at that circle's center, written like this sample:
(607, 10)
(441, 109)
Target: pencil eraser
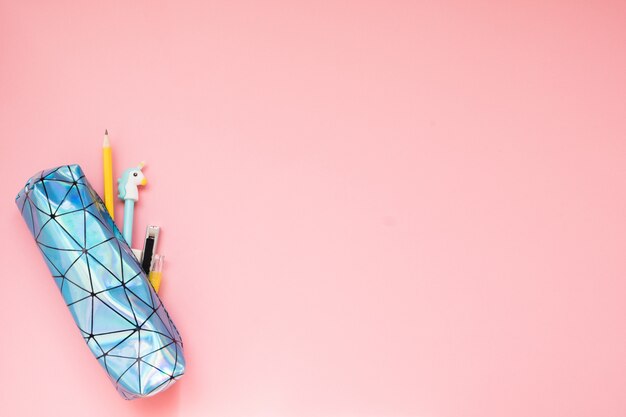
(138, 253)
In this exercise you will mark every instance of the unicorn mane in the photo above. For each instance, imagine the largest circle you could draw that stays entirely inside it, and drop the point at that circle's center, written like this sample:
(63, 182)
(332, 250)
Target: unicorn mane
(122, 181)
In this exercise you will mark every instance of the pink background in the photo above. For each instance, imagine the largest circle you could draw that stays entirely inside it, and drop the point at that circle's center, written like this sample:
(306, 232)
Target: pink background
(369, 208)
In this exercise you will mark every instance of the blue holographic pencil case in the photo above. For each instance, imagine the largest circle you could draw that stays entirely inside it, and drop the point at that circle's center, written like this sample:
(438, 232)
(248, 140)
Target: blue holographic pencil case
(119, 315)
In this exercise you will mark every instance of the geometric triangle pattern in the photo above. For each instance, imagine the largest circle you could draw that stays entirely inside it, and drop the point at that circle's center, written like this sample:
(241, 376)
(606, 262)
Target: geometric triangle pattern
(118, 313)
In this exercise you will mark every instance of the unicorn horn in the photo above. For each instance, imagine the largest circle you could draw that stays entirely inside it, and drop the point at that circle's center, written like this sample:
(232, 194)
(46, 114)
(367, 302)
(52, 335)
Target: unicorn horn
(141, 164)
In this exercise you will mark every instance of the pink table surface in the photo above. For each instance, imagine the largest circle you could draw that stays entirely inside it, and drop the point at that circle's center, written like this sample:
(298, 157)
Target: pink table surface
(369, 208)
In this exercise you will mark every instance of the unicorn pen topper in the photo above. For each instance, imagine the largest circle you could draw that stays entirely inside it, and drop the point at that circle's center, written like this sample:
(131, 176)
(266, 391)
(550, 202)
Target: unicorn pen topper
(127, 187)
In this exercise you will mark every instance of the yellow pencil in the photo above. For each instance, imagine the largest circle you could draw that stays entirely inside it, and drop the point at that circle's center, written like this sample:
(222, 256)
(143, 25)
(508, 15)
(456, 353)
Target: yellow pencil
(108, 175)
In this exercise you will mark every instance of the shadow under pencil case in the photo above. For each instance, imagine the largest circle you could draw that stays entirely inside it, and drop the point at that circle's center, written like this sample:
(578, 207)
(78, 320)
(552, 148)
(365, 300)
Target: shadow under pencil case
(117, 311)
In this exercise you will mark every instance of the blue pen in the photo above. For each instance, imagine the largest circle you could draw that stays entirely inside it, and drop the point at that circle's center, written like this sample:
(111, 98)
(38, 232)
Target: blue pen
(127, 187)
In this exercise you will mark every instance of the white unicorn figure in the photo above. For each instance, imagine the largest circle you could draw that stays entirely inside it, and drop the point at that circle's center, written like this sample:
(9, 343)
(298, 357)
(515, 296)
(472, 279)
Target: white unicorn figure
(128, 191)
(128, 182)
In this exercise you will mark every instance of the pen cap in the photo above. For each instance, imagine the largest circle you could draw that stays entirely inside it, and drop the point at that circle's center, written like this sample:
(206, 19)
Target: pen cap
(157, 263)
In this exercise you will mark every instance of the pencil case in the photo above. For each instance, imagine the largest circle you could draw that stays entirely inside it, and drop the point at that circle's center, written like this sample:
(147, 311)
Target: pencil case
(119, 315)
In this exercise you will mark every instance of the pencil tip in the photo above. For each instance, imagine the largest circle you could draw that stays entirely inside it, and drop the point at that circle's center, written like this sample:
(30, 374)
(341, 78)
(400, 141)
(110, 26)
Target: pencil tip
(106, 131)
